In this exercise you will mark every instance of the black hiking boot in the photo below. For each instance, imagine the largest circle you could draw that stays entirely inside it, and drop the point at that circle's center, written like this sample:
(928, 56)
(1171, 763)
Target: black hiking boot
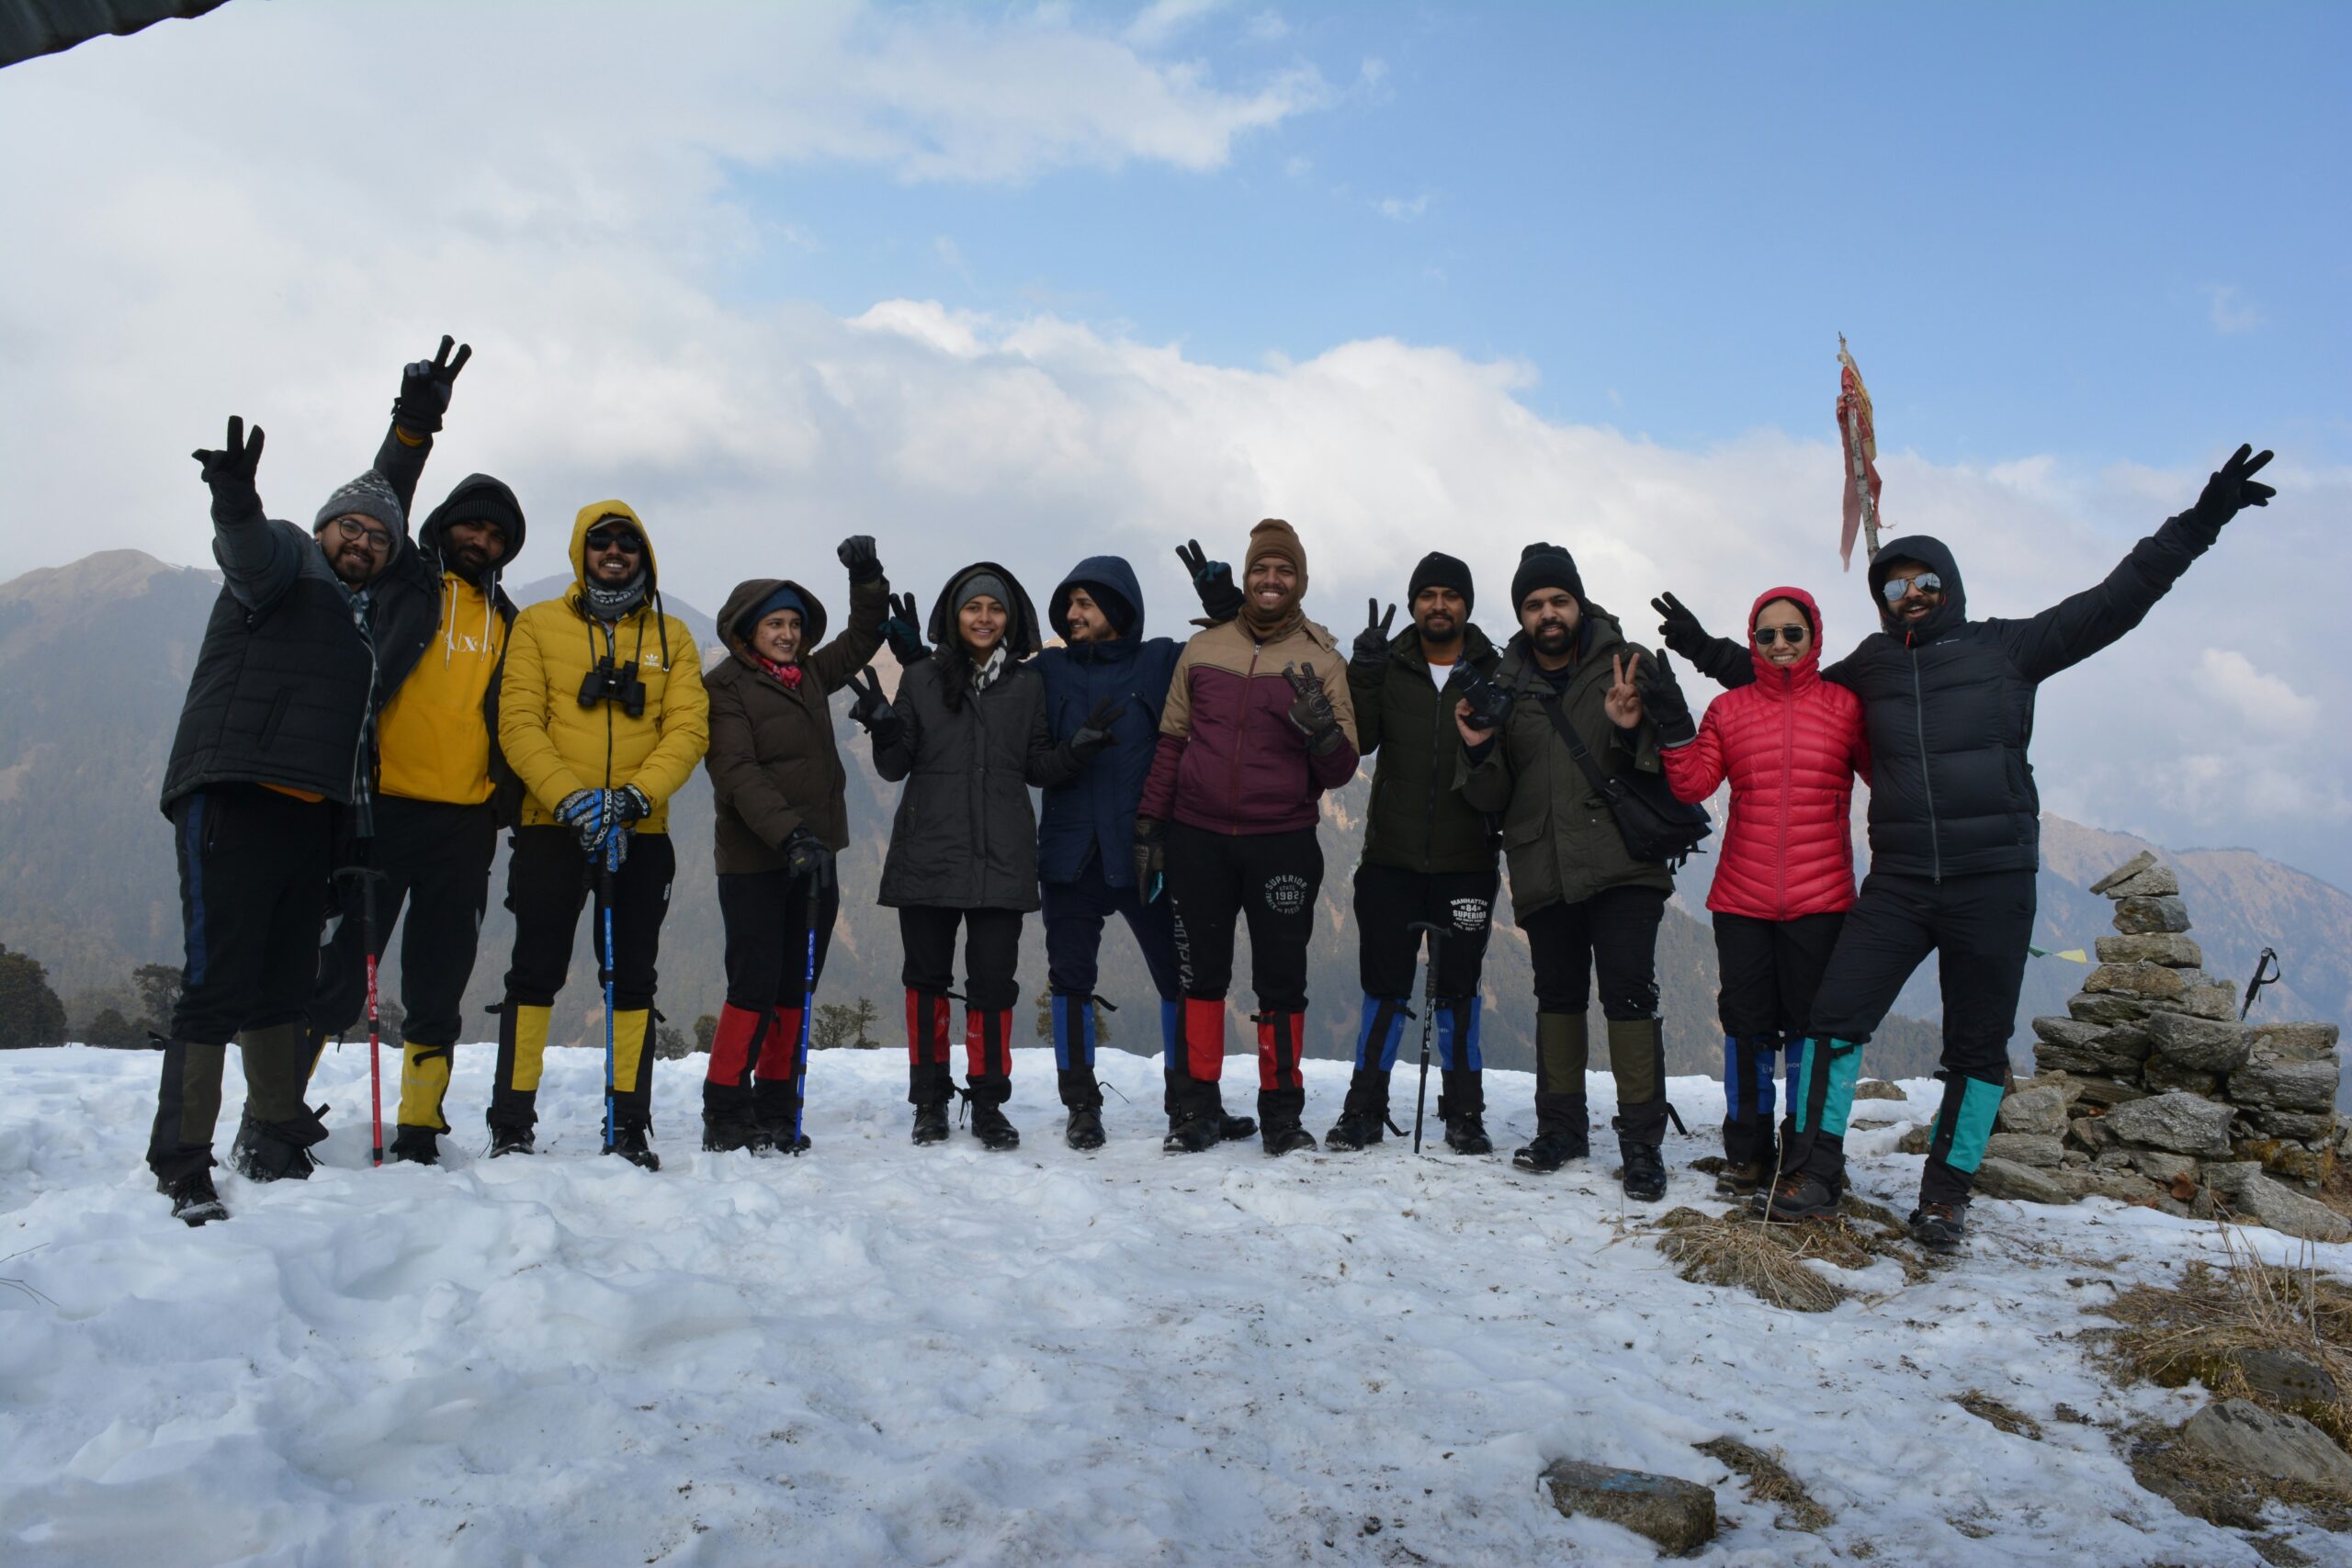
(415, 1145)
(1797, 1195)
(277, 1151)
(633, 1144)
(1084, 1129)
(1196, 1133)
(990, 1127)
(1941, 1227)
(931, 1123)
(1643, 1174)
(728, 1127)
(193, 1199)
(1233, 1129)
(1550, 1151)
(1466, 1134)
(1355, 1129)
(1286, 1137)
(513, 1138)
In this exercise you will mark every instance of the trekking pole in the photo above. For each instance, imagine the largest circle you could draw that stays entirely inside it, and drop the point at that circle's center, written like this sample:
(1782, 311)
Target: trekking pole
(375, 1053)
(1428, 1021)
(2267, 972)
(605, 898)
(807, 1008)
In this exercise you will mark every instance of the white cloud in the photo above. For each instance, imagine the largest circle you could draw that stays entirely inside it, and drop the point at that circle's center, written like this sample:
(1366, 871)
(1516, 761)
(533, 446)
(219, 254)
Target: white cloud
(1267, 27)
(1163, 19)
(2229, 314)
(2261, 701)
(1397, 209)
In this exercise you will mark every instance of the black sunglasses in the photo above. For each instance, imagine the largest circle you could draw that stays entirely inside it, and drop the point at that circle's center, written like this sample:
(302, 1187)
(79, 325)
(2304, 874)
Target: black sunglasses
(1765, 635)
(622, 539)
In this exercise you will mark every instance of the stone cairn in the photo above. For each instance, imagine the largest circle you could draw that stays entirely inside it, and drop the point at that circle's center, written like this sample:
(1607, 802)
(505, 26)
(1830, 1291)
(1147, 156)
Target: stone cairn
(2150, 1091)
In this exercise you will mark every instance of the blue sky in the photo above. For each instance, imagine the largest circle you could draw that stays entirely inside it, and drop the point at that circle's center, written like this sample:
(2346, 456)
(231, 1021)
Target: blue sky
(2109, 231)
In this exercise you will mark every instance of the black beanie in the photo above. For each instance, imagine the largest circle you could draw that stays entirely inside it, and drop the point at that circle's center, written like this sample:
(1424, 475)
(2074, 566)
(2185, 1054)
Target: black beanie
(1544, 566)
(1439, 569)
(1113, 605)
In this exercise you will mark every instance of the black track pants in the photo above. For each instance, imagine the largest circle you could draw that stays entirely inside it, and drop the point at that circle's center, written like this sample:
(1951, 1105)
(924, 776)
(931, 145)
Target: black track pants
(1613, 934)
(1389, 900)
(435, 859)
(1270, 880)
(548, 880)
(1075, 913)
(766, 916)
(1770, 972)
(1977, 926)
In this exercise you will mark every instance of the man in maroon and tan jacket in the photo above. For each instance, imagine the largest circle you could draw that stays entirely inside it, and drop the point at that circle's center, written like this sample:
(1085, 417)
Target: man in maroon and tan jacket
(1258, 725)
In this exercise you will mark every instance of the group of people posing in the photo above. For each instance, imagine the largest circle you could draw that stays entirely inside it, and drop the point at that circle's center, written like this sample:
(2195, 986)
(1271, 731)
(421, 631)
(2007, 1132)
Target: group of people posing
(369, 710)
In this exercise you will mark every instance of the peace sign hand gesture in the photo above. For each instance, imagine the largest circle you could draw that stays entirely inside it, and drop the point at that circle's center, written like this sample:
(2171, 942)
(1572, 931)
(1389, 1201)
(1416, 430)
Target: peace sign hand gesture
(1370, 651)
(904, 633)
(1624, 699)
(426, 385)
(230, 471)
(1213, 580)
(1310, 709)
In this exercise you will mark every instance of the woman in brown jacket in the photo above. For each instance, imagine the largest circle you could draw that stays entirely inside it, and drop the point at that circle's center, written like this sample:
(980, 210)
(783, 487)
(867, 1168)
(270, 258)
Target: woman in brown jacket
(776, 781)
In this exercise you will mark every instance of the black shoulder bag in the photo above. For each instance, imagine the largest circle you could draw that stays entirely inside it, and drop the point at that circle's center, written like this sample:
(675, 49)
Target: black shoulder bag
(1655, 826)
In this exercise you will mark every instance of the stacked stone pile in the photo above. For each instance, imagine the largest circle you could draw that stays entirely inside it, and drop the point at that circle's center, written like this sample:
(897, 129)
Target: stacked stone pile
(2150, 1091)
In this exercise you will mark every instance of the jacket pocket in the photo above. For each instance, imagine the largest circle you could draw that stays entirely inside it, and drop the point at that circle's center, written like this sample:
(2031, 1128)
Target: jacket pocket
(269, 726)
(1525, 831)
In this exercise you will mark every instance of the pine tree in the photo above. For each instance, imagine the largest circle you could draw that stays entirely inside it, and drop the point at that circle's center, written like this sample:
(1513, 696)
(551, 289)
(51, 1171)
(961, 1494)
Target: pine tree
(31, 1013)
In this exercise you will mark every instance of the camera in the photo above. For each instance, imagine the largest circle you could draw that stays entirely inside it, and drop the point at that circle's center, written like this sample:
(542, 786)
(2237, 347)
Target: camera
(1489, 705)
(606, 684)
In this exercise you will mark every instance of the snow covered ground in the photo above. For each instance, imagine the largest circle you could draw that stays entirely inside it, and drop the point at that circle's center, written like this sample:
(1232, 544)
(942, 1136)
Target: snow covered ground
(884, 1354)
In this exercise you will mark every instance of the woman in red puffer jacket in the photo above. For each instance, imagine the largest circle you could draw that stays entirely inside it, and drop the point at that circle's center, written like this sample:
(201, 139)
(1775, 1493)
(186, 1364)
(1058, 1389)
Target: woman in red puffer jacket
(1791, 746)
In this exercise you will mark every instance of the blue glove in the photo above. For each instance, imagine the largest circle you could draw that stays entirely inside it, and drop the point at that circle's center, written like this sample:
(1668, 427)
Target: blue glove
(587, 812)
(614, 849)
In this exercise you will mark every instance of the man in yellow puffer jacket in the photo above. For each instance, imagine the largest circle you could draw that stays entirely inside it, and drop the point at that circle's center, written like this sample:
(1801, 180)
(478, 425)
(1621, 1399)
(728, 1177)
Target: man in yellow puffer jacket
(603, 717)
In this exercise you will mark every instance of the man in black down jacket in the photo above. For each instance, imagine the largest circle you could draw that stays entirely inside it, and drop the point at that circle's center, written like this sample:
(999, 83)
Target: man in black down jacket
(1956, 833)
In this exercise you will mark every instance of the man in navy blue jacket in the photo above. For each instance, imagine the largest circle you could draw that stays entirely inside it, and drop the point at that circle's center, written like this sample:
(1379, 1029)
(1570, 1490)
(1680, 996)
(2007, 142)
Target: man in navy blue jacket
(1086, 832)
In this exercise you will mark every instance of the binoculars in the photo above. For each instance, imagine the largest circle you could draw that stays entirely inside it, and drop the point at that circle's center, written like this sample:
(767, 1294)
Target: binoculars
(606, 684)
(1489, 705)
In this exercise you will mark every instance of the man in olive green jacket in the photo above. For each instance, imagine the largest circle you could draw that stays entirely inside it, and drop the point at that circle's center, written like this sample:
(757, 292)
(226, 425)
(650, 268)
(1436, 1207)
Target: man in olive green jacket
(1584, 901)
(1428, 855)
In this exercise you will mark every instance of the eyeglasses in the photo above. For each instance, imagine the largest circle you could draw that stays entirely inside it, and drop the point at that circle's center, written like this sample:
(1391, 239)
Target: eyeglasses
(1793, 636)
(353, 528)
(1894, 588)
(621, 539)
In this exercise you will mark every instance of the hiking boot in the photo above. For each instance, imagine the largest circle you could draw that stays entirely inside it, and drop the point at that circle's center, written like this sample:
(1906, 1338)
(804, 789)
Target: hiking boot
(1550, 1151)
(990, 1127)
(1797, 1195)
(634, 1145)
(1196, 1133)
(1466, 1134)
(277, 1151)
(1355, 1129)
(1233, 1129)
(1084, 1128)
(1939, 1227)
(1286, 1137)
(194, 1201)
(509, 1138)
(731, 1133)
(1644, 1175)
(415, 1145)
(1742, 1180)
(931, 1123)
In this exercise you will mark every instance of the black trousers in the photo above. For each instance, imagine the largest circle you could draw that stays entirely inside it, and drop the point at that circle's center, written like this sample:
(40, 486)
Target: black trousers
(766, 916)
(1270, 880)
(991, 987)
(1613, 934)
(1075, 913)
(435, 858)
(548, 879)
(253, 866)
(1389, 900)
(1770, 970)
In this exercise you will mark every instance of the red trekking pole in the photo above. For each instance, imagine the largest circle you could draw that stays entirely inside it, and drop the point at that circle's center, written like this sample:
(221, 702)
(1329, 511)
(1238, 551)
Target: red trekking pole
(375, 1063)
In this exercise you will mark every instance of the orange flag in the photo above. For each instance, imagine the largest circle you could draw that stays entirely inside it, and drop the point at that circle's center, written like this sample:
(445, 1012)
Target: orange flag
(1860, 440)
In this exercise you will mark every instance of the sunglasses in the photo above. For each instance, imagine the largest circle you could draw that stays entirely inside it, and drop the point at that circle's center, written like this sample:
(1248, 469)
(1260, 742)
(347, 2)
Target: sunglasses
(621, 539)
(1766, 636)
(1894, 588)
(353, 528)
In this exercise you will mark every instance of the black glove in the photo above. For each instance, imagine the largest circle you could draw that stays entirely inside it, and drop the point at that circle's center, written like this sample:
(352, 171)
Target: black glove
(1372, 643)
(806, 856)
(587, 813)
(1095, 733)
(1310, 710)
(425, 385)
(872, 710)
(630, 805)
(856, 552)
(1213, 580)
(1664, 705)
(615, 850)
(1152, 856)
(230, 472)
(1678, 628)
(2233, 489)
(903, 632)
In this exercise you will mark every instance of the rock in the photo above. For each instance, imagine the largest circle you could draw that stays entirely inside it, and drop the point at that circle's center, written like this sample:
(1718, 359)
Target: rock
(2288, 1377)
(2139, 916)
(2041, 1109)
(2074, 1159)
(2288, 1086)
(2106, 1006)
(2242, 1435)
(2156, 882)
(2316, 1128)
(2156, 982)
(2091, 1132)
(1917, 1140)
(2094, 1063)
(2219, 1000)
(2161, 1168)
(2179, 1123)
(2122, 1186)
(2042, 1150)
(2294, 1042)
(2284, 1156)
(2006, 1178)
(2119, 1159)
(1678, 1515)
(2163, 1077)
(2252, 1196)
(2144, 861)
(1878, 1088)
(2156, 947)
(2199, 1044)
(2106, 1092)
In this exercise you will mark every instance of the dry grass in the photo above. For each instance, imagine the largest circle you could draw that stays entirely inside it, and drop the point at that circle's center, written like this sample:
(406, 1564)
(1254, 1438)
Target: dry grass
(1745, 1254)
(2192, 1331)
(1768, 1480)
(2223, 1495)
(2008, 1418)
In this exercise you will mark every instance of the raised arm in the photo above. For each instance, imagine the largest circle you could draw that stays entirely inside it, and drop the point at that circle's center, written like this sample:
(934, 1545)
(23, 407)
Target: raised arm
(1719, 659)
(259, 559)
(869, 607)
(425, 388)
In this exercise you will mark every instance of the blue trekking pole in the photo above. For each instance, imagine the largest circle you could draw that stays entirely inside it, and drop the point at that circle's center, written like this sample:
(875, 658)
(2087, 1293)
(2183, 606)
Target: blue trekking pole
(605, 896)
(808, 1009)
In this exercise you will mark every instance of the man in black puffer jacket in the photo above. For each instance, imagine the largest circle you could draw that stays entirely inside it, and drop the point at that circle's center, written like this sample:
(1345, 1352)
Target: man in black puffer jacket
(1954, 830)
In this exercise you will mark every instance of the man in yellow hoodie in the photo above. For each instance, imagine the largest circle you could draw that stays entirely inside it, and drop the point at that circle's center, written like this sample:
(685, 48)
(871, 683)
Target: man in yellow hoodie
(603, 717)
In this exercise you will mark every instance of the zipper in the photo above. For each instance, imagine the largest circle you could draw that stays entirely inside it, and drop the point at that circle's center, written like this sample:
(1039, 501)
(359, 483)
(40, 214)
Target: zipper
(1240, 729)
(1437, 751)
(1787, 786)
(980, 785)
(1927, 784)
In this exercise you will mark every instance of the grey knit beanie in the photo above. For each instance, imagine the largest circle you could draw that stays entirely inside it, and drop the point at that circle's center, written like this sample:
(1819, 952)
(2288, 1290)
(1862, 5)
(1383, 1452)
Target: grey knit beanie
(370, 495)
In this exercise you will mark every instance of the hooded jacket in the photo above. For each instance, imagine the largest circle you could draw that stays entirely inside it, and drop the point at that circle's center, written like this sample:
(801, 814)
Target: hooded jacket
(1418, 821)
(554, 743)
(1092, 816)
(1790, 744)
(1948, 703)
(1229, 759)
(774, 764)
(1561, 842)
(965, 835)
